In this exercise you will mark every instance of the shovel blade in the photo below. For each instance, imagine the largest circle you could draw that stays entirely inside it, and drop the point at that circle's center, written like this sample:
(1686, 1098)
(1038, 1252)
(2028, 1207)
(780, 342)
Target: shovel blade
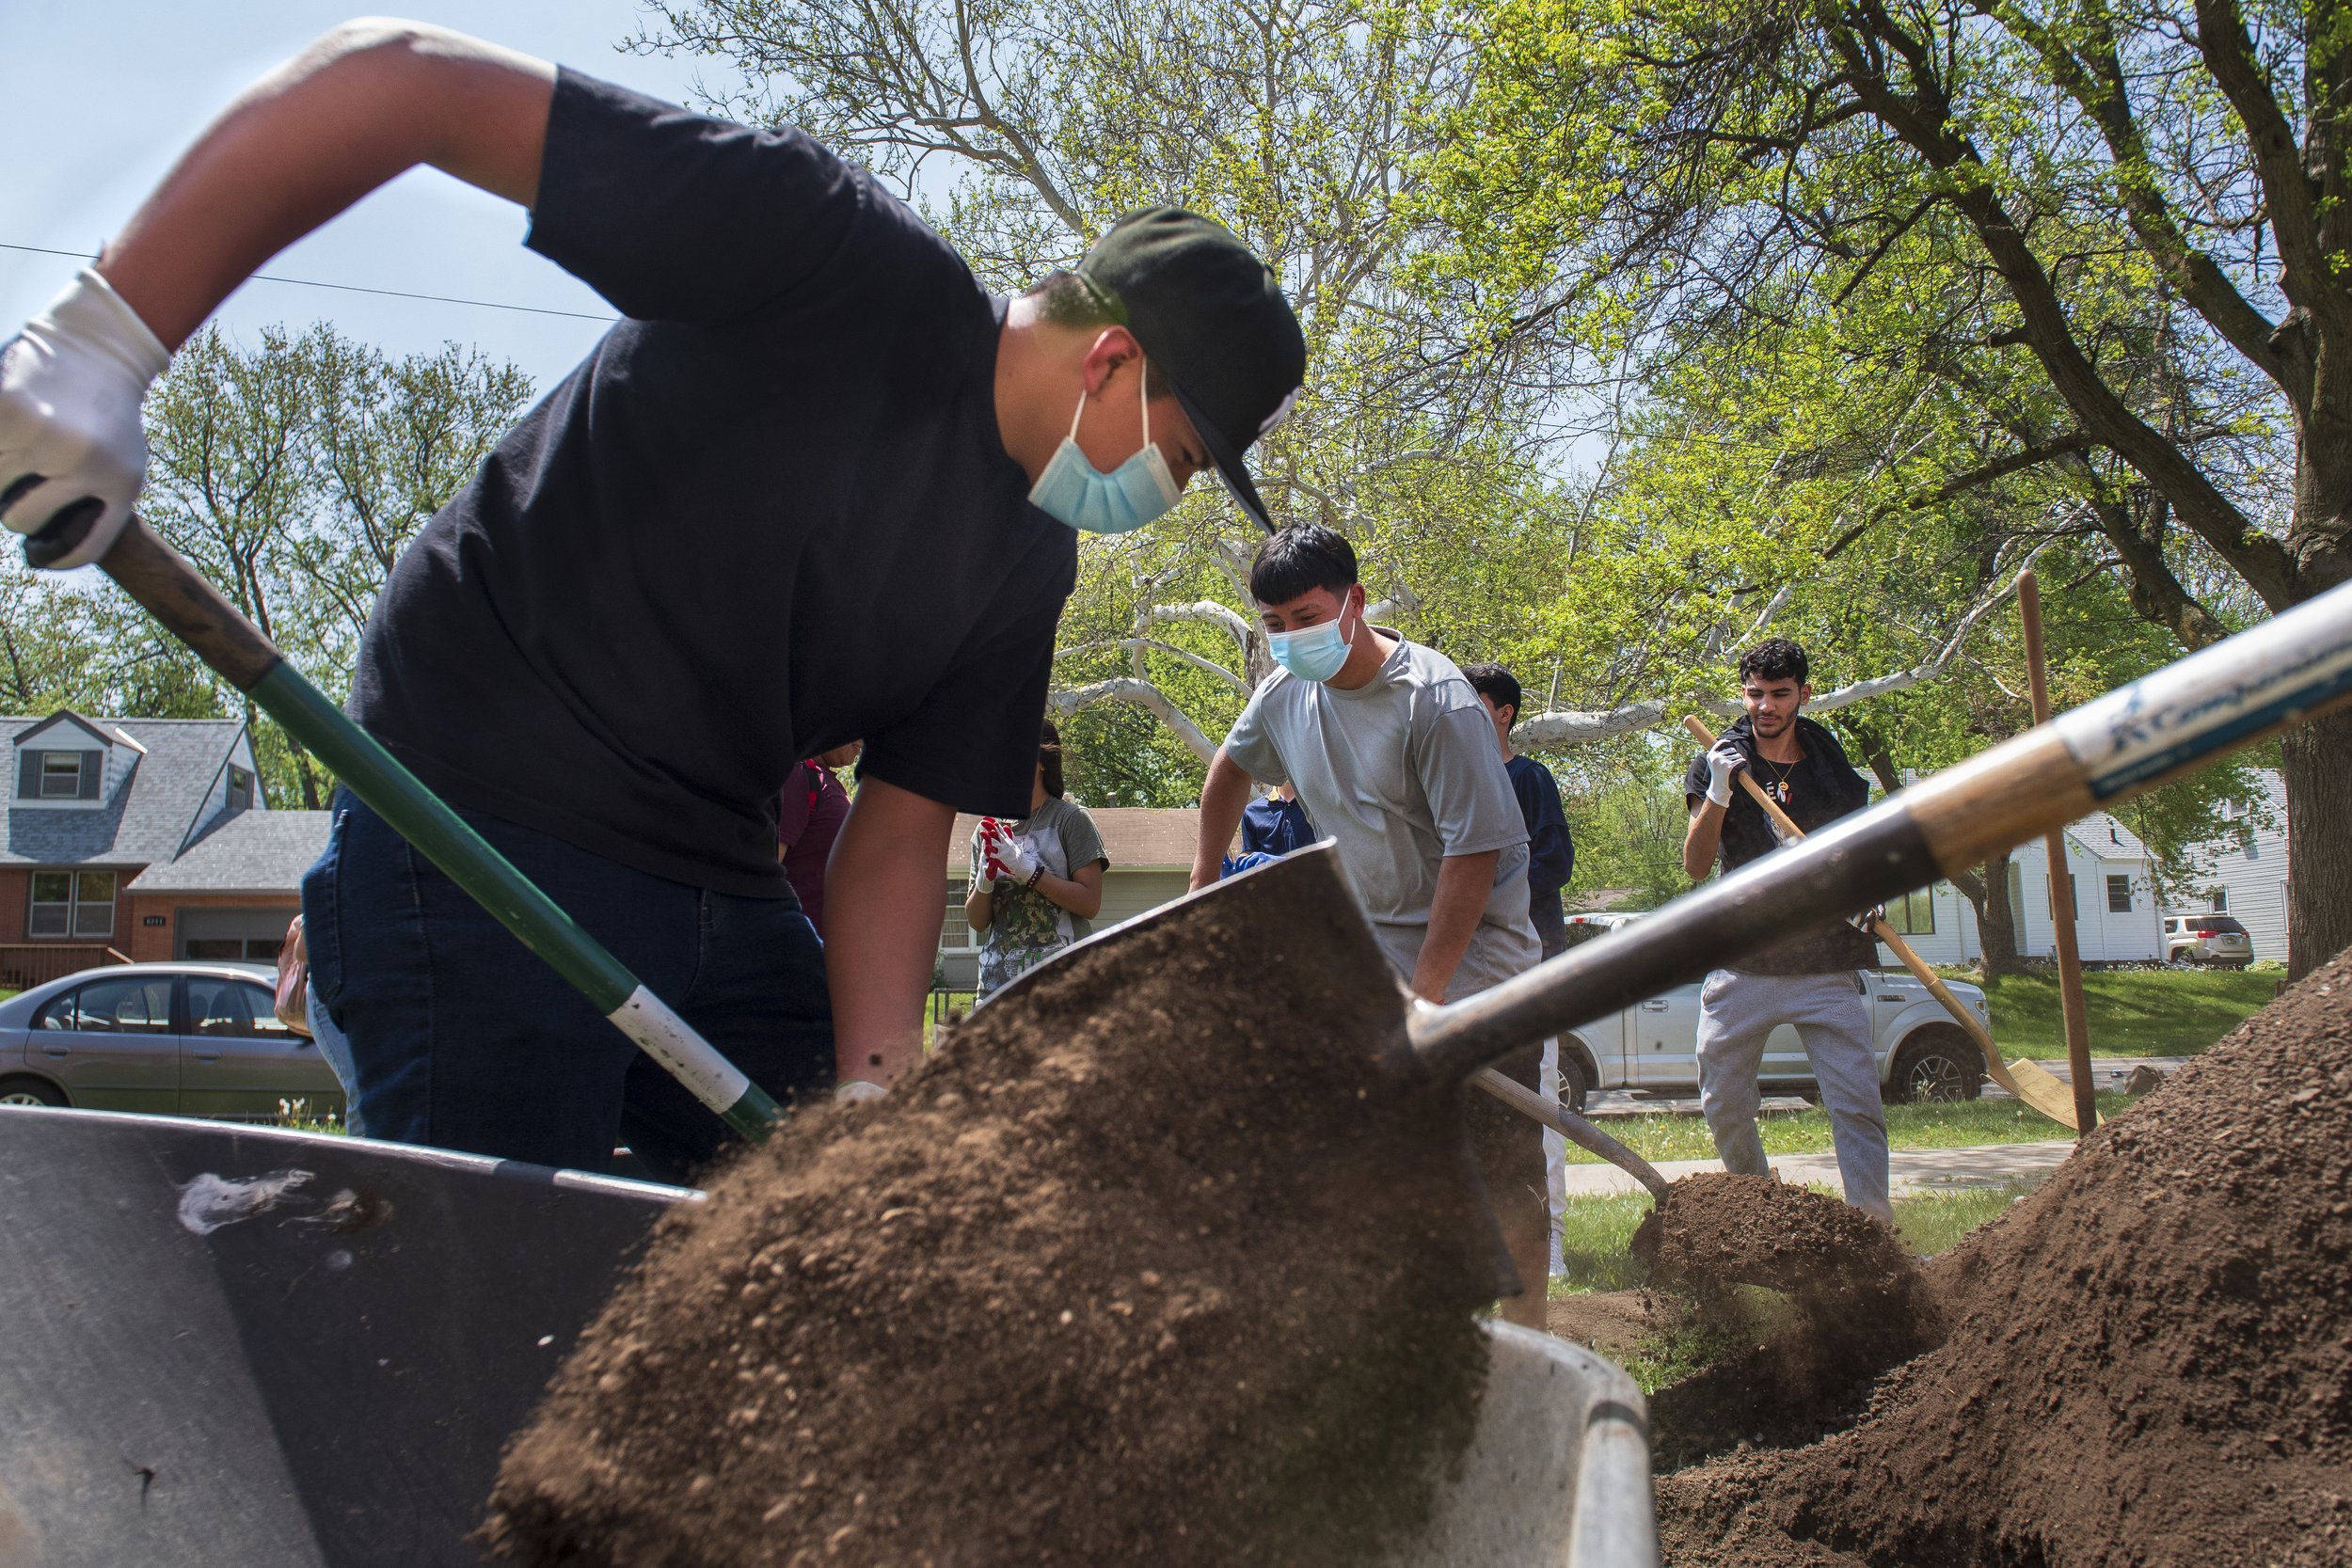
(1295, 917)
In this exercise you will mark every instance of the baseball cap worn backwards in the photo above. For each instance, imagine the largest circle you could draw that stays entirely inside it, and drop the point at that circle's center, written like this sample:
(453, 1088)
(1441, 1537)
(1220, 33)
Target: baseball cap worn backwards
(1209, 314)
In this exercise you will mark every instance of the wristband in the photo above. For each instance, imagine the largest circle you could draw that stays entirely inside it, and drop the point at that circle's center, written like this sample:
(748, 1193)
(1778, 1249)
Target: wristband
(1035, 875)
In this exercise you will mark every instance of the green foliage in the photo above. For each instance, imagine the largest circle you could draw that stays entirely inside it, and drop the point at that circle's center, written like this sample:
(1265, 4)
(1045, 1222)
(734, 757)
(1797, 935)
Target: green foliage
(1626, 814)
(1116, 755)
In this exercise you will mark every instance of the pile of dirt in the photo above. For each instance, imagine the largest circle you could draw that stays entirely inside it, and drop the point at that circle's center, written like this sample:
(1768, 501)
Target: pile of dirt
(1143, 1266)
(1857, 1306)
(2148, 1361)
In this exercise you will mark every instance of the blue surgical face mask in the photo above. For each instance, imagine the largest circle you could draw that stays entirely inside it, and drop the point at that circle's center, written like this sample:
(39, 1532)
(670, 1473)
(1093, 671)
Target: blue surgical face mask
(1075, 491)
(1315, 653)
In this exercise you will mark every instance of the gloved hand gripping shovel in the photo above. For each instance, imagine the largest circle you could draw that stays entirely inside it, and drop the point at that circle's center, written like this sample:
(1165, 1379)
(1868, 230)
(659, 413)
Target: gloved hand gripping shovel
(177, 594)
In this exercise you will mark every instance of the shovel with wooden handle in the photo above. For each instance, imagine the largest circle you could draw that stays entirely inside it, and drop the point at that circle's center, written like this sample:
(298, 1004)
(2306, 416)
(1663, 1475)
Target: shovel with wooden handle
(2026, 1080)
(172, 591)
(1299, 914)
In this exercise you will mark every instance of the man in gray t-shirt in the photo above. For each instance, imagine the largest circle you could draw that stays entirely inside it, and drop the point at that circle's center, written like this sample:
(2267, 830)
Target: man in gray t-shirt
(1393, 756)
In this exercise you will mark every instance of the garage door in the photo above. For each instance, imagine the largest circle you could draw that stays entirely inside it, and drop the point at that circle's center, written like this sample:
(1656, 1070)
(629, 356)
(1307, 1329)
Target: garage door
(251, 936)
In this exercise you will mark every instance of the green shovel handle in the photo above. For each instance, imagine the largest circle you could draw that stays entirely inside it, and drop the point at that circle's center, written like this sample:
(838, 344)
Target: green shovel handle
(171, 590)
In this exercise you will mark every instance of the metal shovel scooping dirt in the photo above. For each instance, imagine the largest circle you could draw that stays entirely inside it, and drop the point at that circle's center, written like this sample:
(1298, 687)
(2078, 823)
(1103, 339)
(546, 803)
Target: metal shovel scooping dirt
(2284, 671)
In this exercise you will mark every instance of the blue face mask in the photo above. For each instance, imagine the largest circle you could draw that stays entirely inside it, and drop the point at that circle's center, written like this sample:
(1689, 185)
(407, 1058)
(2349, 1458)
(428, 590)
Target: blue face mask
(1315, 653)
(1078, 493)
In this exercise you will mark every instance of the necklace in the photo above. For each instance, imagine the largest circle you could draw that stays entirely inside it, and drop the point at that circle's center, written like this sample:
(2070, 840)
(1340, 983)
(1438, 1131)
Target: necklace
(1778, 788)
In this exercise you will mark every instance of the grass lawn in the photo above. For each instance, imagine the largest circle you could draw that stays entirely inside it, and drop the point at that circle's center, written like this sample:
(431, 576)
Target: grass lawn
(2133, 1012)
(1682, 1135)
(5, 994)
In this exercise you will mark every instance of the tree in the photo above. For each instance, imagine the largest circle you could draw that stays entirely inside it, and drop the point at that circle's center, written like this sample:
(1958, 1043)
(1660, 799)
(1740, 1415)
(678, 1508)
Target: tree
(2136, 209)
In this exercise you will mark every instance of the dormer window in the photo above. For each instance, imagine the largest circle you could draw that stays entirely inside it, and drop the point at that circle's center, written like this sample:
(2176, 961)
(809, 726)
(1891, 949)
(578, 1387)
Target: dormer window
(240, 789)
(43, 775)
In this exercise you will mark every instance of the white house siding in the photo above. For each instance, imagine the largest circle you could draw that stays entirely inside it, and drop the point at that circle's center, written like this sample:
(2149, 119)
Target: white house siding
(2248, 869)
(2097, 848)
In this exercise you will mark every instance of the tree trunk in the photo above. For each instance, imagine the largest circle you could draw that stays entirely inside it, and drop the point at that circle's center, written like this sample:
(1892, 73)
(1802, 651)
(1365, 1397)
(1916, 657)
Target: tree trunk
(2315, 761)
(1988, 893)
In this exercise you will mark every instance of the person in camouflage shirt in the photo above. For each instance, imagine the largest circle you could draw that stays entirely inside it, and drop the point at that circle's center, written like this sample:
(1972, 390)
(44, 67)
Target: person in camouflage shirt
(1037, 882)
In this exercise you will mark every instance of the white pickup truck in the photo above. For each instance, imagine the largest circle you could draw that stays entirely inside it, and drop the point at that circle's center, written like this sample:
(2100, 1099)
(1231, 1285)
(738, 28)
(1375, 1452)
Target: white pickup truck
(1652, 1047)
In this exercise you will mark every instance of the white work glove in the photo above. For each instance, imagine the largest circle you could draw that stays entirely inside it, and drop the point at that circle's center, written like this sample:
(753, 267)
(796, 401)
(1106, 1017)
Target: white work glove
(70, 442)
(1006, 858)
(851, 1091)
(1723, 761)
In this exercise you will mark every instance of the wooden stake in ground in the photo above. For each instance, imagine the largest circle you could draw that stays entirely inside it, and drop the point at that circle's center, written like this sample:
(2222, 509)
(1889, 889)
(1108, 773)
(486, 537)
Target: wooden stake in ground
(2070, 958)
(2029, 1084)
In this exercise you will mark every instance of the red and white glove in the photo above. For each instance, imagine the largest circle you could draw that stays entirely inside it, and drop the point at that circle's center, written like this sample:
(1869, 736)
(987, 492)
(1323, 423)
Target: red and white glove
(1011, 860)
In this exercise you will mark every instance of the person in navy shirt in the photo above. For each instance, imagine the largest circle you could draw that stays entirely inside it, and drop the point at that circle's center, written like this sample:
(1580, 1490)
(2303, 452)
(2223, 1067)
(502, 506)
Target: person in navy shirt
(1551, 850)
(1276, 824)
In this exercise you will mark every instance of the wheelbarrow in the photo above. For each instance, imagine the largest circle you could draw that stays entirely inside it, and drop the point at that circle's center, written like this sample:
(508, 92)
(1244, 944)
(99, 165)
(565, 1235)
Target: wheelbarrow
(255, 1348)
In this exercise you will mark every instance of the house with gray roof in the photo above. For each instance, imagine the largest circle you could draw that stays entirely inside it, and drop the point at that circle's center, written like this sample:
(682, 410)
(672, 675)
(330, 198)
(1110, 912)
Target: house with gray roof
(135, 839)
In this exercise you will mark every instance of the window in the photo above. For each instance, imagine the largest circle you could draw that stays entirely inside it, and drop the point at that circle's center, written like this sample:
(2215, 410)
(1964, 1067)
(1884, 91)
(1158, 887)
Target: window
(2222, 900)
(955, 932)
(1913, 914)
(60, 775)
(2118, 894)
(71, 904)
(240, 789)
(2074, 898)
(235, 949)
(135, 1004)
(233, 1009)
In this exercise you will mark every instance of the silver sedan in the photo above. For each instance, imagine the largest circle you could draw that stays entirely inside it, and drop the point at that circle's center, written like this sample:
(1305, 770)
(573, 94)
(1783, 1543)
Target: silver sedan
(192, 1040)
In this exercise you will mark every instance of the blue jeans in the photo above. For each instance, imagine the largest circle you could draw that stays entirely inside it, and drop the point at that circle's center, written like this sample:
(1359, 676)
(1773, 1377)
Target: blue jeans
(462, 1038)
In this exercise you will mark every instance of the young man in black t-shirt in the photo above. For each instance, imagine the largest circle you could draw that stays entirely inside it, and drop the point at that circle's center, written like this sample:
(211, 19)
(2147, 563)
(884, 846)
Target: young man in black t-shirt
(1808, 980)
(816, 486)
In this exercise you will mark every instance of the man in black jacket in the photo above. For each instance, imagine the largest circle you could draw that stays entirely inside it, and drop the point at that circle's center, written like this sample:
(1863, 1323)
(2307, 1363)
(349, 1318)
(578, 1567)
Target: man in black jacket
(1807, 980)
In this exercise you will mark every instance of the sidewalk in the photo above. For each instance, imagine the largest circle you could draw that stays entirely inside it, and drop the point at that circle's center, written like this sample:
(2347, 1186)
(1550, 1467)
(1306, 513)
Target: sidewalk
(1911, 1170)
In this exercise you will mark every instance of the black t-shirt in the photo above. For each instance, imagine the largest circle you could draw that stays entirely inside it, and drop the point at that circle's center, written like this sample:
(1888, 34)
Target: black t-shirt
(770, 513)
(1819, 788)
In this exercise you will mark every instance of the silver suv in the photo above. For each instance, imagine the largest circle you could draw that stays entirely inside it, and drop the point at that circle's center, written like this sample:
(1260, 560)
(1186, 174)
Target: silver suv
(192, 1040)
(1653, 1046)
(2207, 939)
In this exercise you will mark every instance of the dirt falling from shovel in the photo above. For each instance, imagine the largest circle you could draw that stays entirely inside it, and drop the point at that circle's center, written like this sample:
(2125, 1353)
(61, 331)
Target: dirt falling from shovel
(1152, 1267)
(1856, 1306)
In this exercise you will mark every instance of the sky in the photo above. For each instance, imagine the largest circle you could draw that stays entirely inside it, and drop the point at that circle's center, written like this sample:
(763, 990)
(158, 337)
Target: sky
(103, 95)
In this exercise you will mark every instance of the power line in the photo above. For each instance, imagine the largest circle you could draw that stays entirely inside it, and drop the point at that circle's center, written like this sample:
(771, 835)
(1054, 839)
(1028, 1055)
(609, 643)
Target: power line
(354, 288)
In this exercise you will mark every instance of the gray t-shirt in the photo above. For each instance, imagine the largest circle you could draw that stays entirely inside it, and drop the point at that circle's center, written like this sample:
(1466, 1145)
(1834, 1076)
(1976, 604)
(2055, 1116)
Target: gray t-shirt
(1401, 771)
(1063, 838)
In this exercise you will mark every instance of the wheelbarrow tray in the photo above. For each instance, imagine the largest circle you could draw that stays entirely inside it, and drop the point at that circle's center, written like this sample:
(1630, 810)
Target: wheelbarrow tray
(266, 1348)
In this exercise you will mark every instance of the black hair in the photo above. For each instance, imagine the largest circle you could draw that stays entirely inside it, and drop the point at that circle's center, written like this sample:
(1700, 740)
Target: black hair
(1065, 299)
(1299, 560)
(1777, 658)
(1049, 752)
(1496, 684)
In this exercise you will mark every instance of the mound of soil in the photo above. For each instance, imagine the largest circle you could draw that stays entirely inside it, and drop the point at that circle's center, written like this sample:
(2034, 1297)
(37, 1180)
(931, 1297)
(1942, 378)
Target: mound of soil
(2148, 1361)
(1860, 1308)
(1144, 1266)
